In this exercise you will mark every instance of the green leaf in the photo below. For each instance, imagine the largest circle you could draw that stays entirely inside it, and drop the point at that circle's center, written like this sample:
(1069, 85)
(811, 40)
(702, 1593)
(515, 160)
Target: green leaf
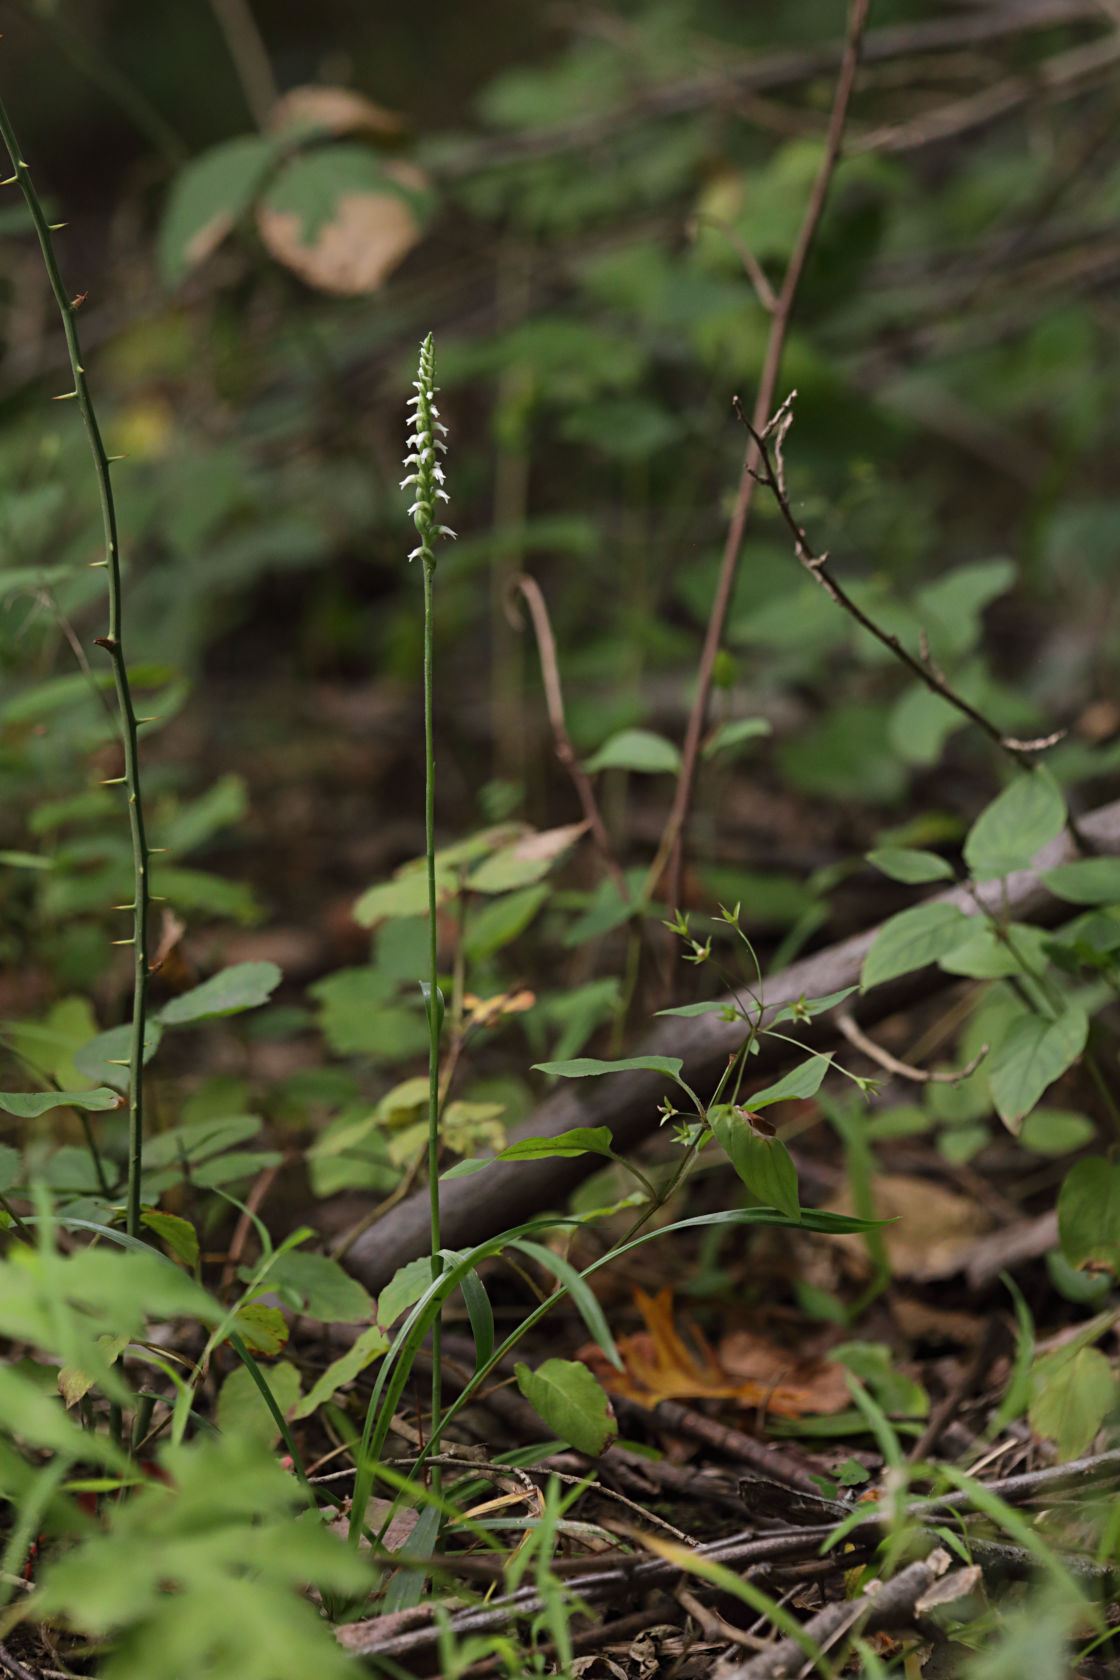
(244, 986)
(715, 1006)
(587, 1067)
(1073, 1390)
(1056, 1131)
(581, 1140)
(1013, 829)
(529, 858)
(763, 1163)
(636, 749)
(403, 1290)
(801, 1081)
(263, 1329)
(10, 1167)
(501, 921)
(367, 1347)
(989, 952)
(405, 895)
(1088, 881)
(317, 1287)
(1034, 1053)
(242, 1411)
(28, 1105)
(912, 867)
(572, 1403)
(105, 1058)
(206, 894)
(734, 734)
(209, 195)
(806, 1009)
(179, 1234)
(1089, 1214)
(911, 940)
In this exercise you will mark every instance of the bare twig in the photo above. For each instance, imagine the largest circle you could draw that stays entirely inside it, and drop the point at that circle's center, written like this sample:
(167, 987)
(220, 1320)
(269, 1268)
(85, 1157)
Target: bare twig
(1059, 76)
(882, 1604)
(757, 74)
(554, 700)
(918, 1076)
(250, 56)
(670, 851)
(769, 471)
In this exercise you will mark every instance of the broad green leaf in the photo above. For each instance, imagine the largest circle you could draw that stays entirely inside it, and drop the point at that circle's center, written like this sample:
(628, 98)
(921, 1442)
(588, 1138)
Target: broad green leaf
(263, 1329)
(950, 608)
(198, 1140)
(734, 734)
(990, 952)
(526, 860)
(587, 1067)
(763, 1163)
(1089, 1214)
(1056, 1131)
(367, 1347)
(565, 1394)
(636, 749)
(715, 1006)
(28, 1105)
(911, 940)
(609, 908)
(209, 195)
(203, 893)
(911, 867)
(1034, 1053)
(501, 921)
(581, 1140)
(1088, 881)
(318, 1287)
(405, 895)
(242, 1411)
(876, 1365)
(179, 1234)
(1013, 829)
(1073, 1389)
(801, 1081)
(357, 1018)
(403, 1290)
(244, 986)
(105, 1058)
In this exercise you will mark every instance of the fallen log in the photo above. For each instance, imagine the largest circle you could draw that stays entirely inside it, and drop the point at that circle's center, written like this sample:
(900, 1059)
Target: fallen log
(505, 1194)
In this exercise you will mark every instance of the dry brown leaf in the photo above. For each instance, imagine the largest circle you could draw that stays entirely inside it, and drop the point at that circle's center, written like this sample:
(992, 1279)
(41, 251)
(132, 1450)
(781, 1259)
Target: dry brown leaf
(660, 1365)
(548, 843)
(487, 1012)
(368, 235)
(918, 1321)
(333, 110)
(933, 1232)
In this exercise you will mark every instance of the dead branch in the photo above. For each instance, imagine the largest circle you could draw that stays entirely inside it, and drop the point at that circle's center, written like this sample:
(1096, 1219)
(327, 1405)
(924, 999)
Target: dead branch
(509, 1192)
(671, 849)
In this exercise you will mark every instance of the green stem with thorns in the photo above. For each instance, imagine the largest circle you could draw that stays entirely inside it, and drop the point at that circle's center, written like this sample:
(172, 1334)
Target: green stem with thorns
(67, 308)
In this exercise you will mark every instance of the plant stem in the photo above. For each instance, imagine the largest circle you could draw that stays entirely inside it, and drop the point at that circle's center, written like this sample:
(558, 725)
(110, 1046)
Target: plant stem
(434, 1003)
(111, 642)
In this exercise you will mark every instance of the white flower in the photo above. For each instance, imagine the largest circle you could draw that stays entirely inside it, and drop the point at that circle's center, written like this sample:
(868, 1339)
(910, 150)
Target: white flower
(427, 477)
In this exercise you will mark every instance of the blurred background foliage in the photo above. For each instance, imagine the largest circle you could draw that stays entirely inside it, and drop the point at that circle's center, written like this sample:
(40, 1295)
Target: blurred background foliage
(587, 204)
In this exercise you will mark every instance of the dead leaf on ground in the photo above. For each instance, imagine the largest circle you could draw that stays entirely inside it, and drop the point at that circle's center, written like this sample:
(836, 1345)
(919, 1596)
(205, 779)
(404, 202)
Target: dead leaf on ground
(933, 1232)
(918, 1321)
(660, 1365)
(548, 843)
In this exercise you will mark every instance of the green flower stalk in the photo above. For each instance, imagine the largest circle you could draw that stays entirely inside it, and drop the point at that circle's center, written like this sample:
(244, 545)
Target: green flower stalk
(427, 479)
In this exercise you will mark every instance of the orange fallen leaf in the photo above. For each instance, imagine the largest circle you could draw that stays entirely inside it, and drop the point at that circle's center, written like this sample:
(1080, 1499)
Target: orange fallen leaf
(486, 1012)
(660, 1365)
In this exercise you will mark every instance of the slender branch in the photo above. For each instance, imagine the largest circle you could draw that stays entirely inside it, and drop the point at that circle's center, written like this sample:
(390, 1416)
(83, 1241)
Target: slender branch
(670, 851)
(554, 701)
(250, 56)
(919, 1076)
(129, 722)
(770, 472)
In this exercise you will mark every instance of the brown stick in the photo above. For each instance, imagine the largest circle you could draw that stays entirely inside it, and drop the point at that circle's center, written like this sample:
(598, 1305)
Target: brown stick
(670, 850)
(509, 1192)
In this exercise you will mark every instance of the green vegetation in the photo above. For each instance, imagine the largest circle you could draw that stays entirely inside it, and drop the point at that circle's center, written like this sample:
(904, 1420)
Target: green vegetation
(707, 894)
